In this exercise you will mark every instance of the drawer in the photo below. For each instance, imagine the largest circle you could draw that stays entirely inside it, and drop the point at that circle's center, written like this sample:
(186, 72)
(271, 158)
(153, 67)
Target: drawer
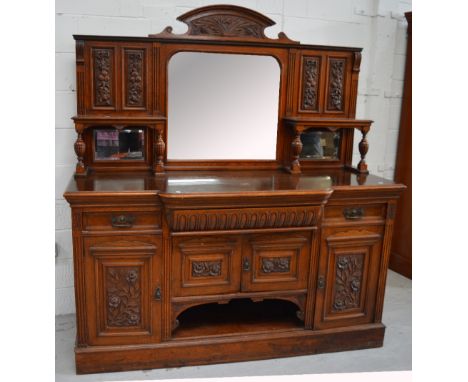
(206, 265)
(350, 213)
(121, 220)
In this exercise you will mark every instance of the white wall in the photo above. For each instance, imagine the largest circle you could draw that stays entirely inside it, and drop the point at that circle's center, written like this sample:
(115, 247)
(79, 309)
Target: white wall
(378, 26)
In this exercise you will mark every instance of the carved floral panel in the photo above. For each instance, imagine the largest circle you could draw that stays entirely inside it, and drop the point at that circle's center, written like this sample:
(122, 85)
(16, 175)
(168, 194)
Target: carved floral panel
(348, 279)
(276, 264)
(336, 84)
(123, 293)
(310, 83)
(206, 268)
(134, 60)
(102, 67)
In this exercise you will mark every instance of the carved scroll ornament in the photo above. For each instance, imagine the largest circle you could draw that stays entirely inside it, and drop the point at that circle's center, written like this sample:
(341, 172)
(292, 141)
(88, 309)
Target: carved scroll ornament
(224, 21)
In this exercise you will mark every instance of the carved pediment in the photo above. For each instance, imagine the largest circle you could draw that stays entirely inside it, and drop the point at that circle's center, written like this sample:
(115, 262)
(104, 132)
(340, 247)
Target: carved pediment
(224, 21)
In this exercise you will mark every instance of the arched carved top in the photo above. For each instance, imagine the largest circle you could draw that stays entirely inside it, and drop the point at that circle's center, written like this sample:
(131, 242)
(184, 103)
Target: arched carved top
(224, 22)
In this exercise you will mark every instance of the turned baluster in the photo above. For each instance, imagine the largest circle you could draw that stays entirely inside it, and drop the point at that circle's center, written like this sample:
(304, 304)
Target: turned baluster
(80, 148)
(160, 147)
(363, 148)
(296, 149)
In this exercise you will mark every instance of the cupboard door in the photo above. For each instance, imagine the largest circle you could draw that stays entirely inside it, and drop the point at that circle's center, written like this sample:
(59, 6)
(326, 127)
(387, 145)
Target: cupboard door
(348, 274)
(122, 277)
(275, 262)
(205, 265)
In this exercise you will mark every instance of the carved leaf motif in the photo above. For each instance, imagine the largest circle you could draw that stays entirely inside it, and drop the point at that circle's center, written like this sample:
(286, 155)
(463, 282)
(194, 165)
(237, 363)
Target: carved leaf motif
(276, 264)
(135, 78)
(348, 278)
(102, 77)
(206, 268)
(123, 296)
(310, 81)
(226, 25)
(336, 82)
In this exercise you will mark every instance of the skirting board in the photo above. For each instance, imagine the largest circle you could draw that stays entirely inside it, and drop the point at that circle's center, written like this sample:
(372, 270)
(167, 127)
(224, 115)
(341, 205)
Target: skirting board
(177, 353)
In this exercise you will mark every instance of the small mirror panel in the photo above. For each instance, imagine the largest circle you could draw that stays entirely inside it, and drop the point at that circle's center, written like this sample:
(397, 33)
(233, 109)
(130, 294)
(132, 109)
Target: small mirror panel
(320, 144)
(124, 144)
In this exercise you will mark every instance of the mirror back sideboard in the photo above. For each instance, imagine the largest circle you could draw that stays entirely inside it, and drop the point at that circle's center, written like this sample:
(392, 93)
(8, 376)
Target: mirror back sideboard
(206, 259)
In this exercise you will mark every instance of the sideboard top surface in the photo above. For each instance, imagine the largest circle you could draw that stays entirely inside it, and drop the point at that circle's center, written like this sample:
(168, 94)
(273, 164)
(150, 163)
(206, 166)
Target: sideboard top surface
(186, 182)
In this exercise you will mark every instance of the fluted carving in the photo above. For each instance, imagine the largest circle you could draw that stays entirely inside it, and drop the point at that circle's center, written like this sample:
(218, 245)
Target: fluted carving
(225, 219)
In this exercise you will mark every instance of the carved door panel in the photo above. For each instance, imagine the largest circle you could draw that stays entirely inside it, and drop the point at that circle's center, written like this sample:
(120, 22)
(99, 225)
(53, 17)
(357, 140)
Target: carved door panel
(102, 82)
(338, 83)
(275, 262)
(118, 77)
(136, 77)
(205, 265)
(310, 93)
(348, 274)
(122, 289)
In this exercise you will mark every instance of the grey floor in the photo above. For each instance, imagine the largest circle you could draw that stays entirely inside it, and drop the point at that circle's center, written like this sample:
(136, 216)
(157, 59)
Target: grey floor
(394, 355)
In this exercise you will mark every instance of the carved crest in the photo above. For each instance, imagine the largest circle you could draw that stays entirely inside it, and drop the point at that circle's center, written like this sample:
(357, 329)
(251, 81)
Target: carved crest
(226, 21)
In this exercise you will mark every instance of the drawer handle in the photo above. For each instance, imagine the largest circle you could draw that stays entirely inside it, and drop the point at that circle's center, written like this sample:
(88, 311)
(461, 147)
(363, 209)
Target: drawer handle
(123, 221)
(246, 265)
(353, 213)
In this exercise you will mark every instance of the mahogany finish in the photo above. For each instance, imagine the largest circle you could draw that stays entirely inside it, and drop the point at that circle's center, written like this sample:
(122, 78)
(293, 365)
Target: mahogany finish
(401, 258)
(177, 263)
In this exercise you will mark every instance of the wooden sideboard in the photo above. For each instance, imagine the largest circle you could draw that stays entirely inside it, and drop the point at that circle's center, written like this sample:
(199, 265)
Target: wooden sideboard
(193, 262)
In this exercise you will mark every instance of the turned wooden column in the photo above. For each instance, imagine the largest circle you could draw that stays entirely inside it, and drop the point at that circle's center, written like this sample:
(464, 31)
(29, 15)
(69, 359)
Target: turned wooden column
(80, 148)
(159, 149)
(296, 150)
(363, 149)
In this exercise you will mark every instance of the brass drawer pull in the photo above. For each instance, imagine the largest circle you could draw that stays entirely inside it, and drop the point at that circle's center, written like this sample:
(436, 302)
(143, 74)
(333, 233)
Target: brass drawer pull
(122, 221)
(353, 213)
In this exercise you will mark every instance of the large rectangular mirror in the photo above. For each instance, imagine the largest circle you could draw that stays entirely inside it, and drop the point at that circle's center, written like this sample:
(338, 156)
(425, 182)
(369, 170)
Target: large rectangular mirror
(222, 106)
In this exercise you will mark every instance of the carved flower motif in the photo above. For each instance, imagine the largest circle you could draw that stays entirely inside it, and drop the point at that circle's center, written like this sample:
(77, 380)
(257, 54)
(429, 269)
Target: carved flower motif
(133, 319)
(114, 301)
(355, 284)
(132, 276)
(343, 262)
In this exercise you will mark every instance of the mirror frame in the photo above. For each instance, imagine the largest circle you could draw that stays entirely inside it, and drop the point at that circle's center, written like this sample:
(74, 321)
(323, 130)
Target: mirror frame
(327, 76)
